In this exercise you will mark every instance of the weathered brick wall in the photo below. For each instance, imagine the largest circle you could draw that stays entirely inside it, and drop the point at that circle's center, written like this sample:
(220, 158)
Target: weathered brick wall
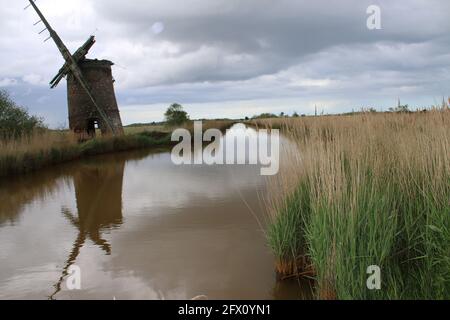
(81, 109)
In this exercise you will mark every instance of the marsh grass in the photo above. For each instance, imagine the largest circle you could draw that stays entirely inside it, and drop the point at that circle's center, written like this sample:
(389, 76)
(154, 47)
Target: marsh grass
(372, 189)
(47, 147)
(146, 128)
(42, 149)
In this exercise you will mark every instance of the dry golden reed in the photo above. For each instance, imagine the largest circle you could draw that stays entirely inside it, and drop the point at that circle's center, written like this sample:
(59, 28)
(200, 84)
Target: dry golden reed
(364, 189)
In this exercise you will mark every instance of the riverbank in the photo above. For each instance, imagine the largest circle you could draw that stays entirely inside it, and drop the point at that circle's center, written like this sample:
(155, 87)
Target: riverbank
(51, 147)
(361, 191)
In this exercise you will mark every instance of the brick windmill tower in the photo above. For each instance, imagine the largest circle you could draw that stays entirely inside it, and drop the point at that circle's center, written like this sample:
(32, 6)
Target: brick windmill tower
(90, 88)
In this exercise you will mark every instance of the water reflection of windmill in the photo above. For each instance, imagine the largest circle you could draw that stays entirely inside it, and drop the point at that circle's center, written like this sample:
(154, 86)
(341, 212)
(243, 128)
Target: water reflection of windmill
(98, 190)
(91, 97)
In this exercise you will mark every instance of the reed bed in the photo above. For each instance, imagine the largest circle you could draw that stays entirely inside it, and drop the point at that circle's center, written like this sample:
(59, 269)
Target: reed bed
(48, 147)
(145, 128)
(45, 148)
(356, 191)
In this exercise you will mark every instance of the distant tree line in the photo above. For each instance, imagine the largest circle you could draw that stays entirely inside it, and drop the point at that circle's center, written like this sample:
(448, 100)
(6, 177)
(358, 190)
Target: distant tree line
(272, 115)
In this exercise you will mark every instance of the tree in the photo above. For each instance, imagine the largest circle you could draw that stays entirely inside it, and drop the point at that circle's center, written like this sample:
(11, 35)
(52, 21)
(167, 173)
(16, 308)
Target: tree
(15, 121)
(400, 109)
(175, 115)
(404, 109)
(265, 116)
(295, 115)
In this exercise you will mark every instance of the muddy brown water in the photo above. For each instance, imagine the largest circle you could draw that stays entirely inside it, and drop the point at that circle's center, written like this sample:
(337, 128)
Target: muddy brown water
(138, 227)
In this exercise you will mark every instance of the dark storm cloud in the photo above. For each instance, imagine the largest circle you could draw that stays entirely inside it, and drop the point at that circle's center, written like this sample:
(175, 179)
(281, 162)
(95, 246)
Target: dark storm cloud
(267, 36)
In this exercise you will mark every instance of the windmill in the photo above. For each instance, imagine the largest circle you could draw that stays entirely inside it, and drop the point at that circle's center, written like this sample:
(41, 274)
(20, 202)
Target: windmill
(90, 87)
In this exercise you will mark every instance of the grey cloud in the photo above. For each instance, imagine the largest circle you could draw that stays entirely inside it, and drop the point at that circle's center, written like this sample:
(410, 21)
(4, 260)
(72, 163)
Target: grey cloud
(246, 39)
(230, 50)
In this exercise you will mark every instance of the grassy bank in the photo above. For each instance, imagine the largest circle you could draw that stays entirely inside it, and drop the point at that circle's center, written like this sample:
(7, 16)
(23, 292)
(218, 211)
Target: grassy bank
(207, 124)
(53, 147)
(372, 189)
(49, 147)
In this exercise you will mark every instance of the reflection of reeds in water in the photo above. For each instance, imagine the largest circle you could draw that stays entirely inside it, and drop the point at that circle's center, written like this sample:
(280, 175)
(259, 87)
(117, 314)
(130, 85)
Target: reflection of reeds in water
(16, 193)
(365, 190)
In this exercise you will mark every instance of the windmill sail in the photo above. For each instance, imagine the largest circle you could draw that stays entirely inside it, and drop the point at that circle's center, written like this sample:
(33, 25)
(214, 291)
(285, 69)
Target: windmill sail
(72, 66)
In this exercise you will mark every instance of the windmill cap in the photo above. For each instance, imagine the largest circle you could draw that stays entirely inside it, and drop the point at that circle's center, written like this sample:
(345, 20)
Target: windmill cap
(95, 63)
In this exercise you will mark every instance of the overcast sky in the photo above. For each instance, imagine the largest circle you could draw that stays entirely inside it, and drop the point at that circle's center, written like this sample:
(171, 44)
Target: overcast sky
(233, 58)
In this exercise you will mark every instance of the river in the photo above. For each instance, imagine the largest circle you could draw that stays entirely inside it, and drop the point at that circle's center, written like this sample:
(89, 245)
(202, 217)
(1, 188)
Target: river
(138, 227)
